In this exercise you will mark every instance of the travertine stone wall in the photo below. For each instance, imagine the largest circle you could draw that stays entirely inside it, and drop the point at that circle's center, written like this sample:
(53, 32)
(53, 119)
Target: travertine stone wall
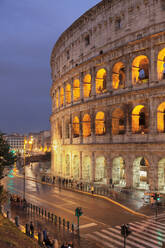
(113, 31)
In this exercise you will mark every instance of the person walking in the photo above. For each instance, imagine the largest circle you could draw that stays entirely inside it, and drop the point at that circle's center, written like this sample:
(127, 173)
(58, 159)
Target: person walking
(31, 230)
(92, 189)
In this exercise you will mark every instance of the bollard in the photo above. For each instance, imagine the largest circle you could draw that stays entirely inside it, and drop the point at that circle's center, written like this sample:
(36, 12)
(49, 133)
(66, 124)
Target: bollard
(59, 220)
(42, 212)
(64, 222)
(55, 219)
(52, 217)
(40, 238)
(72, 227)
(68, 225)
(45, 213)
(27, 230)
(17, 221)
(8, 214)
(48, 215)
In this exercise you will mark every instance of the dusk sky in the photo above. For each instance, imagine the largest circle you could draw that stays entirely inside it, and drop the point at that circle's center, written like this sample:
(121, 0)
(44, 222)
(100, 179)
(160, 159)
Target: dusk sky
(28, 32)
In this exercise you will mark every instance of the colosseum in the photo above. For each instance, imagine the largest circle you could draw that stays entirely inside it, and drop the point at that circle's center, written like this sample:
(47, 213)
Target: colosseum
(108, 96)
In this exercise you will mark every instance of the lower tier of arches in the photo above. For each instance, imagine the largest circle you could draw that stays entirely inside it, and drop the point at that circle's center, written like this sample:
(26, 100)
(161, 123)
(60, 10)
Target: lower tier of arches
(140, 166)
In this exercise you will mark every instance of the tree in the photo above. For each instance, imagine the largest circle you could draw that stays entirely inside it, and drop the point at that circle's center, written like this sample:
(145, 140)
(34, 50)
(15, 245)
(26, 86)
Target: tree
(7, 158)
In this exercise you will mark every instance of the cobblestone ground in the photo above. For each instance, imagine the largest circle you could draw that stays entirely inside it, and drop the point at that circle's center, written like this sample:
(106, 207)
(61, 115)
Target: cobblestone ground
(55, 231)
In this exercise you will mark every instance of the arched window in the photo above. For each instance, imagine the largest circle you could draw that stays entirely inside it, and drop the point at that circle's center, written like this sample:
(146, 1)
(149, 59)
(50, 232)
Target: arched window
(139, 119)
(86, 125)
(100, 171)
(76, 127)
(76, 90)
(86, 168)
(118, 122)
(118, 171)
(57, 99)
(140, 70)
(100, 123)
(140, 173)
(101, 81)
(87, 85)
(68, 93)
(118, 75)
(161, 64)
(61, 96)
(161, 118)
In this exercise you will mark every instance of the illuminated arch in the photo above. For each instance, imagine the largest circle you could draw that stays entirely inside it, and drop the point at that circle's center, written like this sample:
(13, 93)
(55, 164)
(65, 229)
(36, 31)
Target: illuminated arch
(118, 122)
(76, 127)
(57, 104)
(86, 125)
(139, 119)
(100, 171)
(161, 174)
(76, 90)
(101, 81)
(76, 167)
(86, 169)
(118, 75)
(140, 173)
(140, 70)
(87, 85)
(100, 123)
(161, 65)
(161, 118)
(68, 93)
(118, 171)
(61, 96)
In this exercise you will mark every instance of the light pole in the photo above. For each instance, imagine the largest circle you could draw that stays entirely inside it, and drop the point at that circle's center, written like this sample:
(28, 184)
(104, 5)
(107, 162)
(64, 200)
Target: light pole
(24, 152)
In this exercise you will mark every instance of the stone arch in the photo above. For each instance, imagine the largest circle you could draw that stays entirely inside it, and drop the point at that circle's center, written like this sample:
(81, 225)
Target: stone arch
(86, 125)
(100, 123)
(61, 96)
(76, 90)
(118, 121)
(87, 85)
(86, 169)
(76, 127)
(118, 75)
(161, 65)
(140, 70)
(161, 118)
(139, 119)
(118, 171)
(100, 170)
(161, 174)
(140, 173)
(101, 81)
(76, 167)
(68, 93)
(57, 105)
(67, 165)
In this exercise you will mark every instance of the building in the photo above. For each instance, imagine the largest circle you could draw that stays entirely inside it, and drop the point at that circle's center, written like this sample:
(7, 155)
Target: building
(16, 142)
(108, 96)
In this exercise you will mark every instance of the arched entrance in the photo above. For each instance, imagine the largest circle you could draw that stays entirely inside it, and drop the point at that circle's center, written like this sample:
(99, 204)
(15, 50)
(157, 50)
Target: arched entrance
(140, 173)
(118, 122)
(161, 64)
(100, 170)
(75, 167)
(161, 118)
(140, 119)
(140, 70)
(161, 174)
(118, 172)
(86, 169)
(118, 75)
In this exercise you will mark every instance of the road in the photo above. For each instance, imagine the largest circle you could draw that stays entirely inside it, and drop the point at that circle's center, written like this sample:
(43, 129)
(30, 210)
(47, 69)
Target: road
(97, 213)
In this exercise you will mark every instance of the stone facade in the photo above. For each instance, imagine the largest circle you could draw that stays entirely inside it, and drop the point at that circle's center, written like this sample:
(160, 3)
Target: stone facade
(108, 97)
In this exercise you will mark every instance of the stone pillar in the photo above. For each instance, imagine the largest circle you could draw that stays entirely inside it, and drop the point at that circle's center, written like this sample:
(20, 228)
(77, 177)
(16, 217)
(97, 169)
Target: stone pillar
(153, 64)
(92, 115)
(129, 172)
(80, 174)
(108, 123)
(93, 166)
(152, 116)
(71, 129)
(81, 131)
(128, 83)
(109, 168)
(64, 94)
(81, 86)
(93, 81)
(59, 105)
(71, 90)
(109, 80)
(153, 173)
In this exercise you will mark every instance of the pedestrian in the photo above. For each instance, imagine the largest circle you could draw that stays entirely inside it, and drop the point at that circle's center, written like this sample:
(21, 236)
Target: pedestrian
(31, 230)
(92, 189)
(44, 235)
(152, 201)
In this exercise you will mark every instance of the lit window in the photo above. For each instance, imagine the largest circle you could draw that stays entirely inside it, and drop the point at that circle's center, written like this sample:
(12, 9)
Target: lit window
(161, 118)
(140, 70)
(101, 81)
(76, 127)
(86, 125)
(118, 75)
(87, 85)
(62, 96)
(161, 64)
(68, 93)
(100, 124)
(56, 99)
(76, 90)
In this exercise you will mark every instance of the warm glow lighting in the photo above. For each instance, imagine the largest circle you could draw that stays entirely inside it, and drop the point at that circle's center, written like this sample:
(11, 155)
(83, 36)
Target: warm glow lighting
(161, 118)
(86, 125)
(68, 93)
(160, 63)
(135, 118)
(87, 85)
(62, 96)
(116, 73)
(99, 124)
(101, 81)
(139, 63)
(76, 90)
(117, 115)
(76, 126)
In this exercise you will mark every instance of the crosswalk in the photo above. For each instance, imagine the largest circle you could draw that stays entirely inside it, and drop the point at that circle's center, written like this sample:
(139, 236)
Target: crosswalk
(144, 234)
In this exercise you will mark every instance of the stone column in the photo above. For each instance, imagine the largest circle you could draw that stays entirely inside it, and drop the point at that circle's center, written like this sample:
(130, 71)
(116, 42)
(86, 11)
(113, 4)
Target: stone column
(153, 173)
(109, 168)
(93, 166)
(81, 131)
(81, 86)
(80, 174)
(92, 115)
(129, 172)
(59, 105)
(71, 129)
(109, 80)
(93, 81)
(128, 83)
(71, 90)
(64, 94)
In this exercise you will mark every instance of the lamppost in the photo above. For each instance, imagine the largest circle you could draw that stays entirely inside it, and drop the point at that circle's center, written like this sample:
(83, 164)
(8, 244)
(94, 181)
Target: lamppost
(30, 142)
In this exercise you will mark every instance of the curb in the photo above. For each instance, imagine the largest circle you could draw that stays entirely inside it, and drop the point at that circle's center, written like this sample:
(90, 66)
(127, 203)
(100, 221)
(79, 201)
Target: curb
(97, 196)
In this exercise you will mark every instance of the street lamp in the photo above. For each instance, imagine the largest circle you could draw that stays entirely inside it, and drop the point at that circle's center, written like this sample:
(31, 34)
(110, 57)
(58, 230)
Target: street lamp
(26, 142)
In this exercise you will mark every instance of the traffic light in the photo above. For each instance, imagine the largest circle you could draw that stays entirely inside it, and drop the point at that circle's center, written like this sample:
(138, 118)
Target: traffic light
(125, 230)
(156, 197)
(78, 212)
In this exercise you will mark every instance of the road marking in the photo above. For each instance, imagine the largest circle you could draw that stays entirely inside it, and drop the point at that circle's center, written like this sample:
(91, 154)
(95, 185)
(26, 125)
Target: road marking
(88, 225)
